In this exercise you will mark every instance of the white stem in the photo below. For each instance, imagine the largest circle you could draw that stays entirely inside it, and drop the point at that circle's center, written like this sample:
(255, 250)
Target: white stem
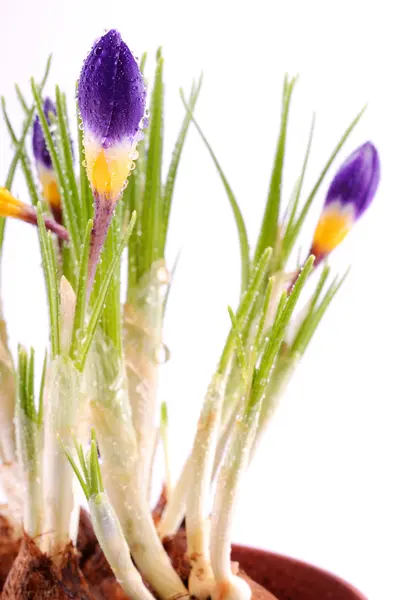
(123, 482)
(144, 352)
(201, 580)
(276, 388)
(111, 538)
(28, 435)
(229, 586)
(224, 435)
(62, 422)
(174, 512)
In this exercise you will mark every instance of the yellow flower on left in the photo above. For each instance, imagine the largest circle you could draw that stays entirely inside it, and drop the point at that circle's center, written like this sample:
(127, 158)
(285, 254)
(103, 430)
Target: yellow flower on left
(11, 207)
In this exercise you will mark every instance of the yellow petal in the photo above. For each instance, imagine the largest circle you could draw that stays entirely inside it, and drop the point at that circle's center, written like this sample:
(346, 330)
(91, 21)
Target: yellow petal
(49, 187)
(10, 206)
(108, 169)
(333, 226)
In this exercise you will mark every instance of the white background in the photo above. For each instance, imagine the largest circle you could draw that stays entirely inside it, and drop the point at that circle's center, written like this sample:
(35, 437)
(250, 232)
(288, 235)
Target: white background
(325, 485)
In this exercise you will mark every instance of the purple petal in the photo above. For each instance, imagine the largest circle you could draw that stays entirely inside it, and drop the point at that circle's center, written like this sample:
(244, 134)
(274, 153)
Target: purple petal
(40, 151)
(111, 92)
(357, 180)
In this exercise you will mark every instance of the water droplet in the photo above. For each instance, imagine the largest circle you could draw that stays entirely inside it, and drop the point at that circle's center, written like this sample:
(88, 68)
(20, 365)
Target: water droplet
(162, 275)
(162, 354)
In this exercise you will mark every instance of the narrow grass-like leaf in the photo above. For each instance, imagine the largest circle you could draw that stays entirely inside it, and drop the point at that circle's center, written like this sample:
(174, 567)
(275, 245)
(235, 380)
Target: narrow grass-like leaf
(313, 318)
(68, 210)
(81, 291)
(263, 315)
(27, 125)
(66, 153)
(292, 233)
(30, 385)
(299, 186)
(240, 225)
(101, 296)
(76, 469)
(277, 334)
(85, 191)
(22, 369)
(41, 392)
(246, 305)
(133, 203)
(269, 228)
(25, 163)
(50, 272)
(176, 157)
(21, 99)
(21, 143)
(111, 314)
(152, 215)
(240, 350)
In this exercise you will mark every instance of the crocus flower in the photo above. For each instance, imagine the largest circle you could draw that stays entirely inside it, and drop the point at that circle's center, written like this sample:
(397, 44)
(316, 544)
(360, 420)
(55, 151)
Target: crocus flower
(11, 207)
(111, 99)
(44, 166)
(349, 195)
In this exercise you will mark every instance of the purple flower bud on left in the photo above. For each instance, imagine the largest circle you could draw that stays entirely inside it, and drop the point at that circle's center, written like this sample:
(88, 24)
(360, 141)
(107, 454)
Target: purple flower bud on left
(44, 166)
(111, 100)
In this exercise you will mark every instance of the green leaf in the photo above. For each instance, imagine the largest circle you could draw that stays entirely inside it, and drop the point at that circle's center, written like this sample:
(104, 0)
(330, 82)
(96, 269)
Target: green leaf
(50, 272)
(22, 370)
(293, 209)
(67, 159)
(132, 198)
(246, 305)
(240, 225)
(101, 296)
(69, 215)
(176, 157)
(314, 316)
(41, 393)
(152, 214)
(95, 473)
(240, 349)
(25, 163)
(85, 191)
(16, 157)
(277, 334)
(269, 228)
(22, 100)
(263, 315)
(84, 485)
(81, 291)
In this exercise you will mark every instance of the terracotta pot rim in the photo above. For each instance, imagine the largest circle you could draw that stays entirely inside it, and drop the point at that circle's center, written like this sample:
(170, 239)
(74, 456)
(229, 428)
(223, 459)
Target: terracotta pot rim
(256, 551)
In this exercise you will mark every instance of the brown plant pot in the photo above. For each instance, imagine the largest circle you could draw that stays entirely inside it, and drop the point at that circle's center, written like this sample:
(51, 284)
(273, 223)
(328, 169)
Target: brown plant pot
(290, 579)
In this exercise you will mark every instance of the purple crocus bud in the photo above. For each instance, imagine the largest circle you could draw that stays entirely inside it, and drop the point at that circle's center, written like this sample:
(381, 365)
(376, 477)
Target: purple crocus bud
(349, 195)
(44, 166)
(111, 99)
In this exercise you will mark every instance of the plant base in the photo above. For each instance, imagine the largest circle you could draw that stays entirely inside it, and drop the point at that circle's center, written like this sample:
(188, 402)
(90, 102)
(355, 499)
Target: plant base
(25, 572)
